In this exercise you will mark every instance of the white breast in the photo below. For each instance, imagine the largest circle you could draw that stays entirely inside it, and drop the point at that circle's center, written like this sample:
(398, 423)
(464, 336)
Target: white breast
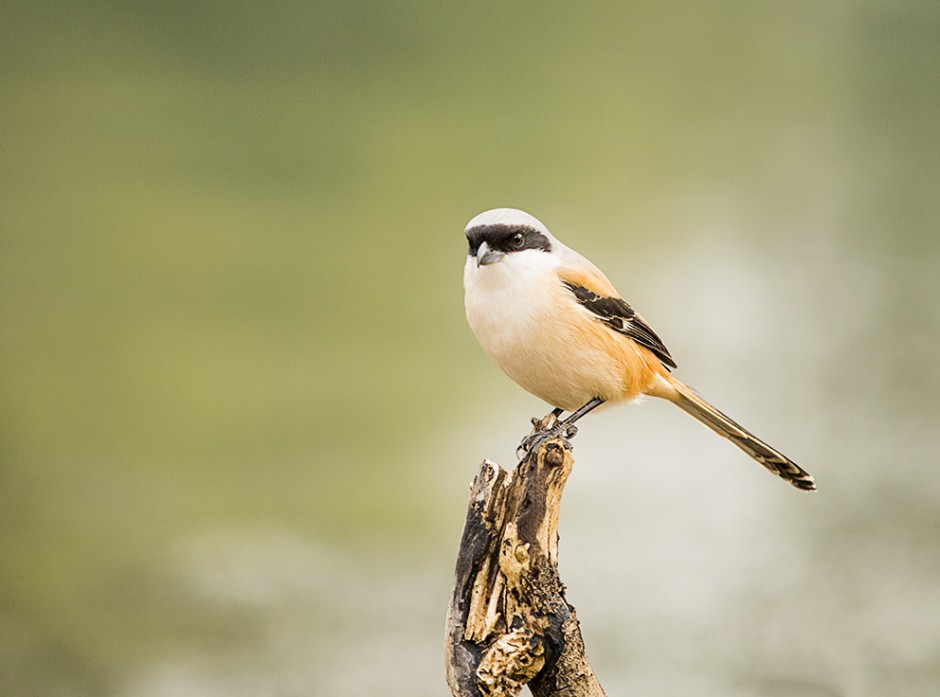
(506, 302)
(528, 324)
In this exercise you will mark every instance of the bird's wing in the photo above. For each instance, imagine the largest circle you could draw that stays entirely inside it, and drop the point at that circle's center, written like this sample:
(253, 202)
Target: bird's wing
(595, 293)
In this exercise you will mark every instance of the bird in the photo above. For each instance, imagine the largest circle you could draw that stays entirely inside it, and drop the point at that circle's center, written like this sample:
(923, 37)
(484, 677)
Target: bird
(554, 323)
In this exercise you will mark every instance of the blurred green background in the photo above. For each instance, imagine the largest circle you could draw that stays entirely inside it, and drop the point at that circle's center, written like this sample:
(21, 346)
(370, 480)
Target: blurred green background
(240, 406)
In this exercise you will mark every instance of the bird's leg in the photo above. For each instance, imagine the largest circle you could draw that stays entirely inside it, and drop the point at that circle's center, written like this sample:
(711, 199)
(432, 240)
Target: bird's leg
(567, 426)
(541, 428)
(549, 426)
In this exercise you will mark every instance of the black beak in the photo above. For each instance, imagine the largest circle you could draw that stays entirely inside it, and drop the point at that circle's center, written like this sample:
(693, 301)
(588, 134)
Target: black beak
(486, 256)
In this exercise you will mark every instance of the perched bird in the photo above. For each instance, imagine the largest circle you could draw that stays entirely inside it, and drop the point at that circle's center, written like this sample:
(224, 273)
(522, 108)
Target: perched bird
(553, 323)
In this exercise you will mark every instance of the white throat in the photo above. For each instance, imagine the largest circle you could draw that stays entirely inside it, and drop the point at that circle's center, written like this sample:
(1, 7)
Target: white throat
(507, 300)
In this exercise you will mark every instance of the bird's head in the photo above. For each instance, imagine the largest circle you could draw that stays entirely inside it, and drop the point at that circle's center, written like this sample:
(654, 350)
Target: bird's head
(504, 234)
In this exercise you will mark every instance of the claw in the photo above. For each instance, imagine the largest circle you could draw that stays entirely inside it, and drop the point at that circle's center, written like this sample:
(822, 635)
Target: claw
(544, 428)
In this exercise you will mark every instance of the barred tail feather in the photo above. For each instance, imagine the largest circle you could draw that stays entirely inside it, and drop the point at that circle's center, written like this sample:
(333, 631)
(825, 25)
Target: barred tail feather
(687, 399)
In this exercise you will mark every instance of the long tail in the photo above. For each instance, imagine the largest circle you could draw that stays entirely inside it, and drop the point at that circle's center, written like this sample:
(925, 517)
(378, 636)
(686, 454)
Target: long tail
(688, 399)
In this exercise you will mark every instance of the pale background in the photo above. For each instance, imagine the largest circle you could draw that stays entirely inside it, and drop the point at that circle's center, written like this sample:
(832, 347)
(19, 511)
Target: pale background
(241, 407)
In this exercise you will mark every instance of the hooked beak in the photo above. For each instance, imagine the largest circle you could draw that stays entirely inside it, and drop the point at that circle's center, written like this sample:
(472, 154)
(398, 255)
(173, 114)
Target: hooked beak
(485, 255)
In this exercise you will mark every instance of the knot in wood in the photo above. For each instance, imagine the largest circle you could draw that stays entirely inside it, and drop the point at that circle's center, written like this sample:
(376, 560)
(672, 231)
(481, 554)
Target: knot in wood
(554, 455)
(511, 662)
(514, 555)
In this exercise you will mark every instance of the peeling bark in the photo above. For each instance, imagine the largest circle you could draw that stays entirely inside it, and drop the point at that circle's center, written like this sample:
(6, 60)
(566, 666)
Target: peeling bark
(509, 624)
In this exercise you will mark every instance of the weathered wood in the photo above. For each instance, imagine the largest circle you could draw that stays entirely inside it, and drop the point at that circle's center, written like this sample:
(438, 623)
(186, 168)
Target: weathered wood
(509, 624)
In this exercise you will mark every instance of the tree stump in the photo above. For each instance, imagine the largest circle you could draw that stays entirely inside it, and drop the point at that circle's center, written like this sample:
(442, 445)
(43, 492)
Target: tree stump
(508, 624)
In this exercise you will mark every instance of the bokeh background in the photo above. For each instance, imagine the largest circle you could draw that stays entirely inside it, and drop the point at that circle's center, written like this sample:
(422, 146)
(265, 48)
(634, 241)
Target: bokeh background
(241, 407)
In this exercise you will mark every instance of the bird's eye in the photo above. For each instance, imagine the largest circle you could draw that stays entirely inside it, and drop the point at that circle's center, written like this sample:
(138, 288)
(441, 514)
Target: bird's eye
(517, 240)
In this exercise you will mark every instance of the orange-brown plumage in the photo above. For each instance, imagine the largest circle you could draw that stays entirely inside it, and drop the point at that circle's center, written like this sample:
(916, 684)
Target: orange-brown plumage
(557, 326)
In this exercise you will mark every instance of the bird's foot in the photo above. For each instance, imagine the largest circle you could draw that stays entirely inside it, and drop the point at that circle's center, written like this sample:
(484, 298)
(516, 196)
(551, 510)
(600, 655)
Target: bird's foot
(546, 428)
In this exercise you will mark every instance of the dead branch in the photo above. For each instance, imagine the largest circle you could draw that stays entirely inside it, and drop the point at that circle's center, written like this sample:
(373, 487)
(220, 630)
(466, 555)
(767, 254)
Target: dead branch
(509, 624)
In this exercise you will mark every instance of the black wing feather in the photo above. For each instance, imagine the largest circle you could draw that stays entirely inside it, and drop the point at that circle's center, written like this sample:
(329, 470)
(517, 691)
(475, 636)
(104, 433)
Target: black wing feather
(619, 316)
